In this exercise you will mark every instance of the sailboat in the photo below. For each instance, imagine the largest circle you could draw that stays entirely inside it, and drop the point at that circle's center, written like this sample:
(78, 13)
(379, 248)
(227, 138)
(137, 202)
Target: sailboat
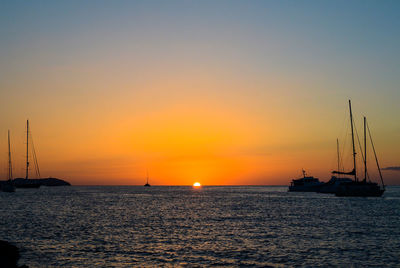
(28, 183)
(358, 187)
(332, 185)
(8, 186)
(147, 180)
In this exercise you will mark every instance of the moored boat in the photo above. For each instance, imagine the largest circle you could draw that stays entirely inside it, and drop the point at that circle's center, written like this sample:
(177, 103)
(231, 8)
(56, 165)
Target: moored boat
(147, 180)
(28, 183)
(359, 188)
(305, 184)
(333, 184)
(8, 186)
(364, 187)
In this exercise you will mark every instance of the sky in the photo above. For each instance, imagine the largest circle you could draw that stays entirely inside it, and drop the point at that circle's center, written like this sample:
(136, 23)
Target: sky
(219, 92)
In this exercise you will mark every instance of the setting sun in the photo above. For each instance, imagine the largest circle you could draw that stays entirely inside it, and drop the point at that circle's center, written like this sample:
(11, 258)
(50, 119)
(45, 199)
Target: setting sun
(196, 184)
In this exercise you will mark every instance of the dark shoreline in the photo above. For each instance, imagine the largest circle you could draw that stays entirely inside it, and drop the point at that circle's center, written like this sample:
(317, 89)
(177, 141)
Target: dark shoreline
(9, 255)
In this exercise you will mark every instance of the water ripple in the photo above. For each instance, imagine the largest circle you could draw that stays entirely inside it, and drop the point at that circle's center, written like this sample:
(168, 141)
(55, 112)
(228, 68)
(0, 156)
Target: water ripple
(211, 226)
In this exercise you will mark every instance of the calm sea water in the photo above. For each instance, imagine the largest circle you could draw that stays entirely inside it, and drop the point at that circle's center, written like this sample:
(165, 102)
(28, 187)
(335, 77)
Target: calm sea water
(182, 226)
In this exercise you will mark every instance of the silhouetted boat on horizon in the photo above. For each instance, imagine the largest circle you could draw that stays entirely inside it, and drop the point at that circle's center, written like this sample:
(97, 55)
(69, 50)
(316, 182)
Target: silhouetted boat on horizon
(35, 183)
(8, 186)
(356, 187)
(305, 184)
(147, 180)
(28, 183)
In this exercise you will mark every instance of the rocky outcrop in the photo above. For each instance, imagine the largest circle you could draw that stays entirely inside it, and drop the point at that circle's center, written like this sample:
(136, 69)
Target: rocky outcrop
(53, 182)
(9, 255)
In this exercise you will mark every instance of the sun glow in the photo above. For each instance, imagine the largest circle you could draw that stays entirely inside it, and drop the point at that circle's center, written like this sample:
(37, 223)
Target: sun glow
(196, 184)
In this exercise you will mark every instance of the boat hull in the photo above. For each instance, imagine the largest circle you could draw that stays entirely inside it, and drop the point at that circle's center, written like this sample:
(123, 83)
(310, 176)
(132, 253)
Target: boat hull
(304, 188)
(305, 184)
(333, 184)
(26, 183)
(36, 183)
(32, 185)
(7, 187)
(359, 189)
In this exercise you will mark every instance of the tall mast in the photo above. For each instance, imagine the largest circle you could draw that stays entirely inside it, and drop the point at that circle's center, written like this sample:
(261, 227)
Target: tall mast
(338, 155)
(147, 177)
(352, 140)
(9, 158)
(365, 150)
(27, 149)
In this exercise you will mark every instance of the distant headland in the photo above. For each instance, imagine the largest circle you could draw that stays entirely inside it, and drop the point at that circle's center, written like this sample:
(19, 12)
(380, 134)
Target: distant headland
(42, 182)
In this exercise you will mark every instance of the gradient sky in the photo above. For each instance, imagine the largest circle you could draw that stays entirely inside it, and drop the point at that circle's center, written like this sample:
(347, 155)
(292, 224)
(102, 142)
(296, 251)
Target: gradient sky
(220, 92)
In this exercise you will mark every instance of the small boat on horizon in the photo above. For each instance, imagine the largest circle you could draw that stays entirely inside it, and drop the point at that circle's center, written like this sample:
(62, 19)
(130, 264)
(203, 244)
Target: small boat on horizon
(305, 184)
(147, 180)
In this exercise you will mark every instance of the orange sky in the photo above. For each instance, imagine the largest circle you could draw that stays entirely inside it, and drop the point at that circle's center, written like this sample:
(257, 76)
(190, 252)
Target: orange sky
(221, 94)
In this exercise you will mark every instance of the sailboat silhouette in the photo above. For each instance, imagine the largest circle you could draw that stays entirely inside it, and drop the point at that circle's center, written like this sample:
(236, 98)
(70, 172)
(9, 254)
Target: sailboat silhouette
(358, 187)
(8, 186)
(28, 183)
(147, 180)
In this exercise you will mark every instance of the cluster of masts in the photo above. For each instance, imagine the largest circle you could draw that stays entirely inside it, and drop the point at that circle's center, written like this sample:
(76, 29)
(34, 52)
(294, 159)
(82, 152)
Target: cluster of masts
(364, 155)
(345, 186)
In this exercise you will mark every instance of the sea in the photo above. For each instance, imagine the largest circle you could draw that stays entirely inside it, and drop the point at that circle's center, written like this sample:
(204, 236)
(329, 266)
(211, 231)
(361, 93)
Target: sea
(254, 226)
